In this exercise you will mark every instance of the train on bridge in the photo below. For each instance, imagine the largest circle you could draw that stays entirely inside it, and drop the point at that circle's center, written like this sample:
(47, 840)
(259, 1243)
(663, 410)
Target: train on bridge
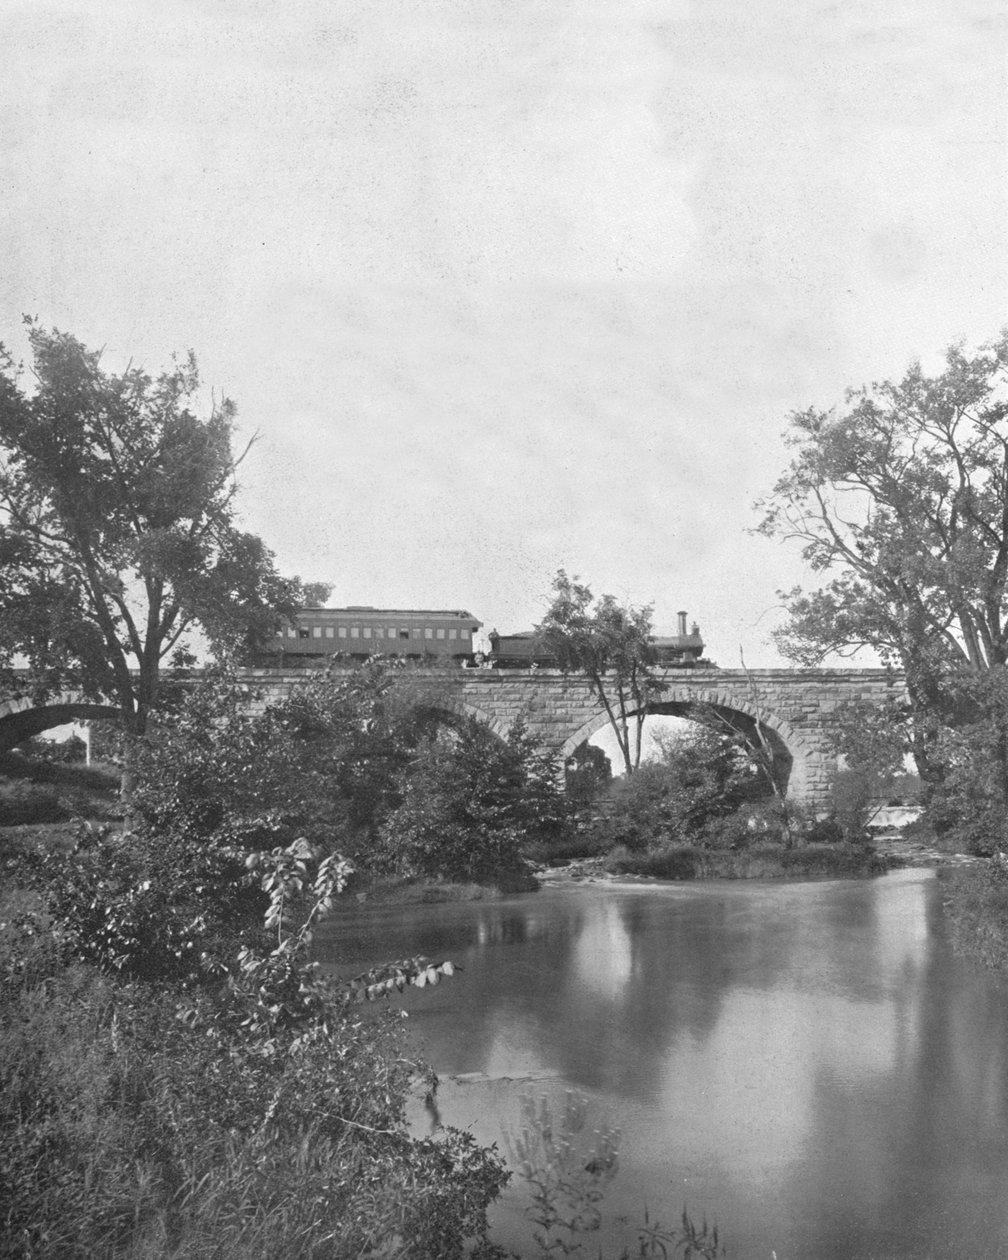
(438, 636)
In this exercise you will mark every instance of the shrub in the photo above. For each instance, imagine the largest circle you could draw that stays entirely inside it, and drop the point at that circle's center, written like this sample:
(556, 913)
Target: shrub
(853, 797)
(673, 862)
(64, 752)
(681, 797)
(470, 802)
(31, 805)
(762, 860)
(325, 762)
(126, 1132)
(251, 1115)
(16, 764)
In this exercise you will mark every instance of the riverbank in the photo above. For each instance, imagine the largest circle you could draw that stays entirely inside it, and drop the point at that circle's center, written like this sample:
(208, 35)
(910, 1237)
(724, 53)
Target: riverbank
(975, 902)
(688, 863)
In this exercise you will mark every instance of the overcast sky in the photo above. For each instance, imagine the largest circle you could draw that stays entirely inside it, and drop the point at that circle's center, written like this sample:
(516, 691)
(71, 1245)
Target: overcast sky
(505, 285)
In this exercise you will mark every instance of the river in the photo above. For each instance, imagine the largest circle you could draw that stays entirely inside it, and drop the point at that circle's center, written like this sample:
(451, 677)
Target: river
(805, 1062)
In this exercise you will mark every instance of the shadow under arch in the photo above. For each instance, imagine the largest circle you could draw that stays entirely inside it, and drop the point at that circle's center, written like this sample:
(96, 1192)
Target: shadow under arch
(455, 713)
(790, 754)
(23, 718)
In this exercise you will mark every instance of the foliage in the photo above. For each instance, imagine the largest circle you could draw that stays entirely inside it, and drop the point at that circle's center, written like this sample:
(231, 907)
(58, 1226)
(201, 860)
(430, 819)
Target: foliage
(117, 526)
(238, 1105)
(763, 858)
(698, 776)
(587, 774)
(57, 752)
(19, 764)
(24, 805)
(854, 795)
(216, 782)
(971, 803)
(128, 1131)
(761, 747)
(873, 736)
(611, 645)
(325, 761)
(656, 1241)
(903, 499)
(470, 802)
(566, 1179)
(975, 900)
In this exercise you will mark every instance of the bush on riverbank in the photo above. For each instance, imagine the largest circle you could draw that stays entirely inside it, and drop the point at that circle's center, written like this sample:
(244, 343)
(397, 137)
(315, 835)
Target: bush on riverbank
(975, 900)
(127, 1130)
(471, 805)
(696, 783)
(760, 861)
(43, 788)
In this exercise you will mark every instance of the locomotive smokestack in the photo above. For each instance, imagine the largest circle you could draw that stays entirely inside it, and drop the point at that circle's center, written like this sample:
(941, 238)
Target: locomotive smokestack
(682, 624)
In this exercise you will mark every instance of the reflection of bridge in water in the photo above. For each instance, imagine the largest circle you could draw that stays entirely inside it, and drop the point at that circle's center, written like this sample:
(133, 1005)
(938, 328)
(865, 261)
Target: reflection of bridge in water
(796, 709)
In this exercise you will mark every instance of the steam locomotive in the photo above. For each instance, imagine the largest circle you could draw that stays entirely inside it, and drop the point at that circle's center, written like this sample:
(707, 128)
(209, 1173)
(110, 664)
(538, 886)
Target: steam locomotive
(519, 651)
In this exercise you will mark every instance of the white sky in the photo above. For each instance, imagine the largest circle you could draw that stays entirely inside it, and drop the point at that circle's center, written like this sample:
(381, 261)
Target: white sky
(505, 285)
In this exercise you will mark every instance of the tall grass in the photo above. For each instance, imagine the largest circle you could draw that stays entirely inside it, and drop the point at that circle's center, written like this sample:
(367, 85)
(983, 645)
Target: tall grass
(976, 909)
(125, 1133)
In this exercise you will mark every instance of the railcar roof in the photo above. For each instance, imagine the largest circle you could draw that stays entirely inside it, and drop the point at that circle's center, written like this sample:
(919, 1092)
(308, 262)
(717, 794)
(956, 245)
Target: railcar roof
(397, 612)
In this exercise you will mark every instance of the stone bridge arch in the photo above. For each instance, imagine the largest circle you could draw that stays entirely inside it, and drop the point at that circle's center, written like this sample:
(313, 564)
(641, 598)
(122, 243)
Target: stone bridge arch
(455, 711)
(794, 760)
(22, 717)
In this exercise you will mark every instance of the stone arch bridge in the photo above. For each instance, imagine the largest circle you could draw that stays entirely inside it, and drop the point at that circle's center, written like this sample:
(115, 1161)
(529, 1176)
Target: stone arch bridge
(795, 709)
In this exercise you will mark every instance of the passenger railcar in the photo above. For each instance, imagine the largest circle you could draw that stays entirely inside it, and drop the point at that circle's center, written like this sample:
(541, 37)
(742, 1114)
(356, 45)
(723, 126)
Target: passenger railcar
(360, 631)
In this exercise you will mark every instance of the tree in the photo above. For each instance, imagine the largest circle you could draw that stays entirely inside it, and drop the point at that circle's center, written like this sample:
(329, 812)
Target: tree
(902, 499)
(611, 644)
(587, 773)
(117, 527)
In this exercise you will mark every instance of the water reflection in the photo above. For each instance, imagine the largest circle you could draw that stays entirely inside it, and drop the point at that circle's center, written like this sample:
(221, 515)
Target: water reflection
(806, 1060)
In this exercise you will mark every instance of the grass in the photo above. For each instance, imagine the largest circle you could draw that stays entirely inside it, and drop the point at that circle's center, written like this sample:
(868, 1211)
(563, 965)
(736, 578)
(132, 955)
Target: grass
(975, 900)
(39, 792)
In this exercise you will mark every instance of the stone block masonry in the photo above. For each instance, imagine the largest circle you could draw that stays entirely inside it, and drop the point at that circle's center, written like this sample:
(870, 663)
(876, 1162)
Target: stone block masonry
(797, 709)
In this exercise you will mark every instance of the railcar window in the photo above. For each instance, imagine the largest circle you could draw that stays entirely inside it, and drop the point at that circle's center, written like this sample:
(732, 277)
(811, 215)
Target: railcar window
(316, 632)
(403, 634)
(355, 632)
(329, 632)
(391, 632)
(440, 633)
(428, 632)
(342, 632)
(453, 633)
(291, 632)
(367, 632)
(304, 632)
